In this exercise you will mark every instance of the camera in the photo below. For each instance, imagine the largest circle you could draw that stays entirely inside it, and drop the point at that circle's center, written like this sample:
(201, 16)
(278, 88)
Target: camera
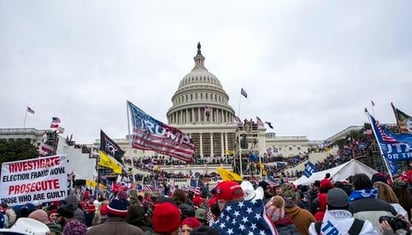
(395, 222)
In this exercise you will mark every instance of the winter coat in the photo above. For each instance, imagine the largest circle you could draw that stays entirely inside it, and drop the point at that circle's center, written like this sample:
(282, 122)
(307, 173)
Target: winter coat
(301, 218)
(340, 222)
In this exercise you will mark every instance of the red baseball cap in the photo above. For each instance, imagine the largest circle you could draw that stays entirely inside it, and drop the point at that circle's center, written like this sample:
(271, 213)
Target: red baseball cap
(228, 191)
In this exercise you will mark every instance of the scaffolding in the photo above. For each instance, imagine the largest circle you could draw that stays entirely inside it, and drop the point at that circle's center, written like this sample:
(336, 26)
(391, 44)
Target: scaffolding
(247, 161)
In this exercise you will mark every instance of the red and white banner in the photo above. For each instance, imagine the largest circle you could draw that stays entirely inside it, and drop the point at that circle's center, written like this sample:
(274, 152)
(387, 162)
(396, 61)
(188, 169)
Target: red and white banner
(34, 180)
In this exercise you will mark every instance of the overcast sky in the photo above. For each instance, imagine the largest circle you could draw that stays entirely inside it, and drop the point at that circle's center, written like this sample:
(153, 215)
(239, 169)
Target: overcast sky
(309, 67)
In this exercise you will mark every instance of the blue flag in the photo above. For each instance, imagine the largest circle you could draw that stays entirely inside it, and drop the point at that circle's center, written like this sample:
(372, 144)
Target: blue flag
(309, 169)
(395, 147)
(253, 157)
(194, 186)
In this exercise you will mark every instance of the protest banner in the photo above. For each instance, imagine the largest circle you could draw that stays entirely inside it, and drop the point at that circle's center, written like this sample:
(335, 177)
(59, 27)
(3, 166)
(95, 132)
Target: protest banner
(34, 180)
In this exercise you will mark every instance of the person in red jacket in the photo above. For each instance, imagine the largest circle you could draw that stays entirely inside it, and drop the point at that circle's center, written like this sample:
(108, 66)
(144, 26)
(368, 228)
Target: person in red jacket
(89, 210)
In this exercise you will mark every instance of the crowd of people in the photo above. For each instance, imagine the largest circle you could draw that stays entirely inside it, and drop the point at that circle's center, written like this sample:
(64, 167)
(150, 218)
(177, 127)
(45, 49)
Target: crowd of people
(358, 205)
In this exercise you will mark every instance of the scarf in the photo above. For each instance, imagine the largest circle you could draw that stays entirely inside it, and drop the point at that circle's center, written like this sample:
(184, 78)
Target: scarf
(363, 193)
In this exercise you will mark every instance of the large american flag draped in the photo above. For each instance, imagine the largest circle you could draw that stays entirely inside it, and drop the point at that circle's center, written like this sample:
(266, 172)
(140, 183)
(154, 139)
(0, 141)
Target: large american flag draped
(246, 218)
(151, 134)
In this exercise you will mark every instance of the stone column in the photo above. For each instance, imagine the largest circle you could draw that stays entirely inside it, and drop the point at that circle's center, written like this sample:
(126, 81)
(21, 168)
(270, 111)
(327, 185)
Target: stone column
(201, 145)
(222, 144)
(211, 145)
(226, 145)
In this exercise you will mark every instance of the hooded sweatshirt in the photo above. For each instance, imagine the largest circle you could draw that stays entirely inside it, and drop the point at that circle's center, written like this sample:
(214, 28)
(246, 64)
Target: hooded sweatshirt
(301, 218)
(73, 205)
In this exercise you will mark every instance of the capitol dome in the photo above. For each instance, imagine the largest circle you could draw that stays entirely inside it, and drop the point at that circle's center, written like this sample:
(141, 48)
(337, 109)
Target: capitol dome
(200, 98)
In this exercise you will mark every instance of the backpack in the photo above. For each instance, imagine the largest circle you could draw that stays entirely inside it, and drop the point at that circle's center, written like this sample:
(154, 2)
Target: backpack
(354, 229)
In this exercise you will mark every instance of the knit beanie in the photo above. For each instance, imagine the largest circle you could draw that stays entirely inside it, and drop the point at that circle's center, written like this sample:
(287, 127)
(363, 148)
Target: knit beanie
(290, 198)
(379, 177)
(118, 206)
(40, 215)
(66, 211)
(275, 208)
(191, 222)
(166, 218)
(103, 209)
(75, 227)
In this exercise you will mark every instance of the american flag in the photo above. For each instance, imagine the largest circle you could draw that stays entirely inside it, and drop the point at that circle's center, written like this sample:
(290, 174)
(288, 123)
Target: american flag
(245, 218)
(381, 134)
(385, 136)
(210, 216)
(238, 121)
(194, 187)
(147, 188)
(208, 109)
(56, 120)
(151, 134)
(45, 149)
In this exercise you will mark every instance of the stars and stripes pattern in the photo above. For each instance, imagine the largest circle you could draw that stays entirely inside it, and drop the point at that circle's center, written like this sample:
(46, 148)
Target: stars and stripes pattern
(55, 122)
(151, 134)
(385, 136)
(245, 218)
(194, 187)
(237, 120)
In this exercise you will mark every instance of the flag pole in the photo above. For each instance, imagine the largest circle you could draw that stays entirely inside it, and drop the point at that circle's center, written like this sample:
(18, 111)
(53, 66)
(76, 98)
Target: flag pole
(240, 148)
(373, 107)
(98, 172)
(130, 141)
(25, 118)
(396, 117)
(240, 157)
(238, 111)
(380, 148)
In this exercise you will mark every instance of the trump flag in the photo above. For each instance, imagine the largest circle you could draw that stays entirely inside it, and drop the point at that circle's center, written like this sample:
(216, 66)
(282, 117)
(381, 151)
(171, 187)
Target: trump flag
(151, 134)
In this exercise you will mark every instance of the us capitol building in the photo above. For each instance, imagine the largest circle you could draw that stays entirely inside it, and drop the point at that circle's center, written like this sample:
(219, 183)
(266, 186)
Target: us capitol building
(200, 108)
